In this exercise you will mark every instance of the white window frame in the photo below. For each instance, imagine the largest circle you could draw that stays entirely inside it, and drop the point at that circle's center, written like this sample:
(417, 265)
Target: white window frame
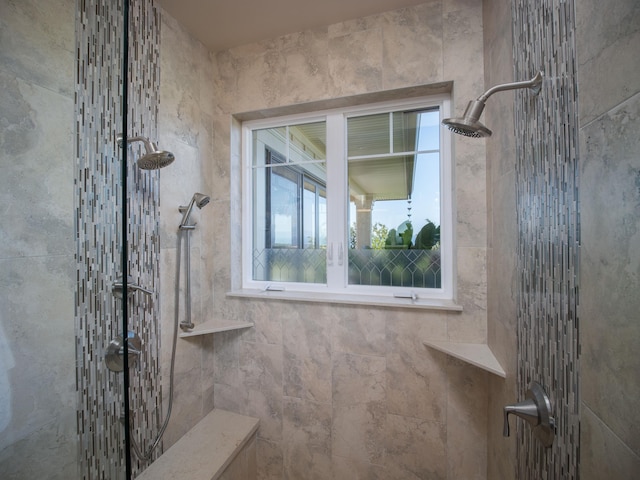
(337, 288)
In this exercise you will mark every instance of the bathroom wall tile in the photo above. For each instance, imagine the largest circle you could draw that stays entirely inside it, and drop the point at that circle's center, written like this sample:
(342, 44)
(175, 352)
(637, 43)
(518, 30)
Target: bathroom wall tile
(304, 72)
(307, 357)
(261, 378)
(606, 44)
(603, 455)
(502, 238)
(501, 451)
(37, 344)
(174, 194)
(351, 469)
(306, 439)
(181, 57)
(359, 407)
(187, 405)
(270, 460)
(471, 193)
(33, 456)
(406, 36)
(463, 53)
(226, 348)
(360, 331)
(415, 448)
(37, 41)
(466, 421)
(415, 376)
(610, 251)
(355, 63)
(268, 319)
(36, 160)
(472, 283)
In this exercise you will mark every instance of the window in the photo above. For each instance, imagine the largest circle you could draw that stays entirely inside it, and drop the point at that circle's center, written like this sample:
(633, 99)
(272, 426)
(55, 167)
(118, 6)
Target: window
(351, 202)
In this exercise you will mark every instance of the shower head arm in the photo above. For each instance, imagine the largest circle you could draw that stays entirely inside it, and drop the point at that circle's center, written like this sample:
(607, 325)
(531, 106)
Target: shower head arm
(534, 84)
(148, 145)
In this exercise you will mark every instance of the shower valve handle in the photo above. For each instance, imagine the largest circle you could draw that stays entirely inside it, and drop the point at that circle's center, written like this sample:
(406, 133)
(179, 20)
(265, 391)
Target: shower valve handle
(536, 410)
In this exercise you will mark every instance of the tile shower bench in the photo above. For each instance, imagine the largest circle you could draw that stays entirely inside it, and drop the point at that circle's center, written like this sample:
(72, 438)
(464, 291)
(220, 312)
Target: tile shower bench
(220, 447)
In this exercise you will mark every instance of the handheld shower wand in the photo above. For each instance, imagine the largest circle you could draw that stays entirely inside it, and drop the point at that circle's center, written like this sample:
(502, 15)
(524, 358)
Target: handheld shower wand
(199, 200)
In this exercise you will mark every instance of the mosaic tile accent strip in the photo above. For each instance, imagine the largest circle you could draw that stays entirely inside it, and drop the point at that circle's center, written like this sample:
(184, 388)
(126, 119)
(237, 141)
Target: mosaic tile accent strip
(99, 29)
(549, 230)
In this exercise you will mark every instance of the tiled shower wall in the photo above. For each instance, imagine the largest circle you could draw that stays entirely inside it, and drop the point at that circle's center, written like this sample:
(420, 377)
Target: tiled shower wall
(346, 392)
(608, 36)
(37, 266)
(546, 129)
(608, 89)
(99, 30)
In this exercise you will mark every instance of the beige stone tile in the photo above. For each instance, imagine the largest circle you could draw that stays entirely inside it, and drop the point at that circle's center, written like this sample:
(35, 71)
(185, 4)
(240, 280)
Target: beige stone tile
(180, 61)
(415, 448)
(307, 357)
(304, 71)
(415, 377)
(359, 407)
(466, 421)
(306, 439)
(351, 469)
(37, 167)
(226, 347)
(261, 378)
(607, 36)
(602, 453)
(407, 35)
(268, 319)
(38, 43)
(355, 63)
(36, 308)
(471, 193)
(610, 254)
(471, 325)
(269, 459)
(360, 331)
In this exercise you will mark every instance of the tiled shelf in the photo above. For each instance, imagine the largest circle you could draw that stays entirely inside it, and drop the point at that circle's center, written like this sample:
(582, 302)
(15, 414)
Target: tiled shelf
(478, 354)
(214, 327)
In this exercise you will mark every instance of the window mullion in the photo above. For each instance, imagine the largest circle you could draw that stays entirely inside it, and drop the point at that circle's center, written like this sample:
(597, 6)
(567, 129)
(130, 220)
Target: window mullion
(336, 202)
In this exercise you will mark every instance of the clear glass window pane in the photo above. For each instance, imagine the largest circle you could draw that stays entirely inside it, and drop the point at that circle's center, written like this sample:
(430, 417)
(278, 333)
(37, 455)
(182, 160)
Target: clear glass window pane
(394, 213)
(289, 211)
(368, 135)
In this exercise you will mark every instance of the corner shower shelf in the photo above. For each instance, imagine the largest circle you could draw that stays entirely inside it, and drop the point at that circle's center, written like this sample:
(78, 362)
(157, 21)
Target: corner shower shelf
(215, 327)
(477, 354)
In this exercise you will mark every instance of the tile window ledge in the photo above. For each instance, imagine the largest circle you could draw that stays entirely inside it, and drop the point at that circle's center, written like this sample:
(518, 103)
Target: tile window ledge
(477, 354)
(352, 299)
(214, 327)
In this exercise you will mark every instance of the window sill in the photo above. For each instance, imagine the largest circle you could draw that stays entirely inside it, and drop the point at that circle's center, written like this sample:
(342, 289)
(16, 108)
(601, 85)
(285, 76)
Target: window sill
(352, 299)
(214, 327)
(477, 354)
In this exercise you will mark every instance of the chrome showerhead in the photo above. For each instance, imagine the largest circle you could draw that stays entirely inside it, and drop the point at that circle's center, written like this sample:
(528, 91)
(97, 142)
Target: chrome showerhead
(199, 200)
(469, 125)
(153, 158)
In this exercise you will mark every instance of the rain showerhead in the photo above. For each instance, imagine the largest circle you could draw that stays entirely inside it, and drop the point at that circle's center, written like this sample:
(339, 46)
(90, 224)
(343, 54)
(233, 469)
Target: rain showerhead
(469, 125)
(153, 158)
(199, 200)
